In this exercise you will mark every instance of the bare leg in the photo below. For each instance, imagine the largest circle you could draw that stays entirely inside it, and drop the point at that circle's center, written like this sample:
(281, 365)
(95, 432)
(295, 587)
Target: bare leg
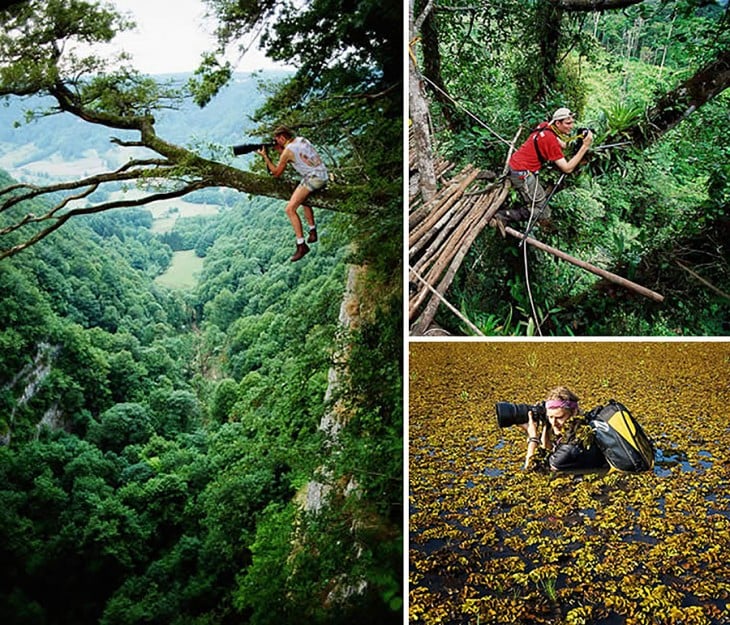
(309, 215)
(297, 199)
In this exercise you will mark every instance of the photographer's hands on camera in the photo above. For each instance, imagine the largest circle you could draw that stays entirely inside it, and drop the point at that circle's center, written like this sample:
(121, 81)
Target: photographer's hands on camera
(537, 441)
(531, 427)
(584, 137)
(264, 149)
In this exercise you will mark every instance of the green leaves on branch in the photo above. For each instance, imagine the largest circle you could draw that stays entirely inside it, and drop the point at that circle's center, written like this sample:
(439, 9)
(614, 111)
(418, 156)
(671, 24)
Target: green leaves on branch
(40, 43)
(210, 77)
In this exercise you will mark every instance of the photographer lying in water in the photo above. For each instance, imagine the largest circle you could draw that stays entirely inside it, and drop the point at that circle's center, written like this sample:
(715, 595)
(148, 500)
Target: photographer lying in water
(566, 443)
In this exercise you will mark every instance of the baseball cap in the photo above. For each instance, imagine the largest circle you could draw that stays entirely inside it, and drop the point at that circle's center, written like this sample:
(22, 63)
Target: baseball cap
(561, 113)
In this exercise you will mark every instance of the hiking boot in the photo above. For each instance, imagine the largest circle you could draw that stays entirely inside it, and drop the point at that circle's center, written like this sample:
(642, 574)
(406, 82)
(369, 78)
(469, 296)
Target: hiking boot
(312, 238)
(302, 249)
(511, 214)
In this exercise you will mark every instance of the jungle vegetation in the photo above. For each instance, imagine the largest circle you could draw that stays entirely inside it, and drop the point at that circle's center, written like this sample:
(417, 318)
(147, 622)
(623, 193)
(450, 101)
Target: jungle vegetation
(160, 447)
(650, 76)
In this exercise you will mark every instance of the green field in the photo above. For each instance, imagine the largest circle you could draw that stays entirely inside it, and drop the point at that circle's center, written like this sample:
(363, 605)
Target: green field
(167, 212)
(491, 543)
(183, 272)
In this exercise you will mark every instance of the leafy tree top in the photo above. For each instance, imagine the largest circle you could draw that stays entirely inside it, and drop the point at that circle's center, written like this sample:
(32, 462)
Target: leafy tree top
(345, 88)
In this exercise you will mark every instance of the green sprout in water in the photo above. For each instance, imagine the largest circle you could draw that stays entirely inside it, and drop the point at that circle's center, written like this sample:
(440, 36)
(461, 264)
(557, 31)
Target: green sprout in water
(549, 587)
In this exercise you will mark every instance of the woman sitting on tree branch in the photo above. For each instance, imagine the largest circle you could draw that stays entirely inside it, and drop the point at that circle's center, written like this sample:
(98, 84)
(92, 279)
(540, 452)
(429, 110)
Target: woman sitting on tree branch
(306, 161)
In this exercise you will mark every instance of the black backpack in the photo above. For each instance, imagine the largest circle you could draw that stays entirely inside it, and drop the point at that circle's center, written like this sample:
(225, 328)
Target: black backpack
(621, 439)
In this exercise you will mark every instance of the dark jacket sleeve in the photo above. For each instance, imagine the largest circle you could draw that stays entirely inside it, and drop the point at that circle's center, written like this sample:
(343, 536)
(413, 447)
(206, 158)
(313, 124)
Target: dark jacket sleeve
(573, 456)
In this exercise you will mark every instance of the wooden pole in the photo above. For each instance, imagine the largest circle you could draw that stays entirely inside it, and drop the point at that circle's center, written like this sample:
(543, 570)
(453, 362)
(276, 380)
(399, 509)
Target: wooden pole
(426, 317)
(454, 193)
(446, 303)
(612, 277)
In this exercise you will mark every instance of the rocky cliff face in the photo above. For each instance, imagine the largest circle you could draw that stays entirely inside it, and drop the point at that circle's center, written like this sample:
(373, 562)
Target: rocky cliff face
(327, 489)
(335, 418)
(25, 385)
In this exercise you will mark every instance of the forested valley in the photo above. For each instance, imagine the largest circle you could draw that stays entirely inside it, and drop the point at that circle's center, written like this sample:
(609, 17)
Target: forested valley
(227, 449)
(649, 202)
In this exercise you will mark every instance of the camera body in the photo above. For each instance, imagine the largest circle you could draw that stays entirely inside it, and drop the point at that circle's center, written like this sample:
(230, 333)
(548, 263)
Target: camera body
(516, 414)
(581, 134)
(247, 148)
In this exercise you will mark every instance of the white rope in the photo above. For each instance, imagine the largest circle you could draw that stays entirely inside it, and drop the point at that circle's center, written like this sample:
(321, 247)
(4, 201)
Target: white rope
(524, 256)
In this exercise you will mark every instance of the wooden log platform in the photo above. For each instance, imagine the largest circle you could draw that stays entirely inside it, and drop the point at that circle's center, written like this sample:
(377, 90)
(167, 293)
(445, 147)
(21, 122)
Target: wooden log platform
(442, 230)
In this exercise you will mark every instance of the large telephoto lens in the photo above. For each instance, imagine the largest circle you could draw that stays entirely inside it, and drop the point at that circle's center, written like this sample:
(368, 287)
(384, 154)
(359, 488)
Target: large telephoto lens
(511, 414)
(245, 148)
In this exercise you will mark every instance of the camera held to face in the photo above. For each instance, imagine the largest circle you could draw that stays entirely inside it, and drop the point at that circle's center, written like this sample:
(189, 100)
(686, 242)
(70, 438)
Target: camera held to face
(581, 134)
(516, 414)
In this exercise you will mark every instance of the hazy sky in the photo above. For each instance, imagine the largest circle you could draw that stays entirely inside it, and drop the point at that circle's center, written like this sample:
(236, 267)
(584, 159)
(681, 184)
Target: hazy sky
(171, 35)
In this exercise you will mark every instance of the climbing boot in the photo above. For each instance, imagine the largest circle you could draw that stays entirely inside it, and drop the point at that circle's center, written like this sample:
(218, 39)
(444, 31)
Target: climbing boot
(312, 238)
(512, 214)
(302, 249)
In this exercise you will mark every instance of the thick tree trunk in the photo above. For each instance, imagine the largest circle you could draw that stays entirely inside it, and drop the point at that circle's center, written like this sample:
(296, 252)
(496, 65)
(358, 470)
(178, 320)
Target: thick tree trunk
(420, 133)
(432, 70)
(678, 104)
(548, 18)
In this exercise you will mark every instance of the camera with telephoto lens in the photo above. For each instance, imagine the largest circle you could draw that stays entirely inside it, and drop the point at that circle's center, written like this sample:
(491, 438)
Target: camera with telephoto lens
(516, 414)
(247, 148)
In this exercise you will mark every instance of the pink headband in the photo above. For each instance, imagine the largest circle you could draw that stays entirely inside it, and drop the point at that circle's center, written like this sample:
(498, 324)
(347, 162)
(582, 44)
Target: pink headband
(553, 404)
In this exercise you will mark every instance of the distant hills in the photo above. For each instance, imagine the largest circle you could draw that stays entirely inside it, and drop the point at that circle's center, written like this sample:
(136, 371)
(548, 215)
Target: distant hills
(62, 145)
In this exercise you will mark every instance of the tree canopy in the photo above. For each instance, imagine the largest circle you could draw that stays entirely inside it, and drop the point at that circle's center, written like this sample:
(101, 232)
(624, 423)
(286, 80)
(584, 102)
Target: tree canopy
(345, 91)
(650, 200)
(163, 439)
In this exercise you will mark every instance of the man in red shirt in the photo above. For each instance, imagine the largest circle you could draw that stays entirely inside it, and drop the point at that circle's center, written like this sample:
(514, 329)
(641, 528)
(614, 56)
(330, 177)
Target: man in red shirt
(545, 144)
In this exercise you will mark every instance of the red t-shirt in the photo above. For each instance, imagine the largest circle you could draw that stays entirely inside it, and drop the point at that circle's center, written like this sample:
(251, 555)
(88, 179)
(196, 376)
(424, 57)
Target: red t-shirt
(526, 156)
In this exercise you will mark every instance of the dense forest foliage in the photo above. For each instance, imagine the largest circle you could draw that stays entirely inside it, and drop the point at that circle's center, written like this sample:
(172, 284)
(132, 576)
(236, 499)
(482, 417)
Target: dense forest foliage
(652, 208)
(156, 440)
(230, 453)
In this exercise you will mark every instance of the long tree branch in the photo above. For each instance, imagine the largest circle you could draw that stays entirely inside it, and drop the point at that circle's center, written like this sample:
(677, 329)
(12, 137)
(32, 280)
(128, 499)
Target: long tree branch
(62, 219)
(123, 174)
(685, 99)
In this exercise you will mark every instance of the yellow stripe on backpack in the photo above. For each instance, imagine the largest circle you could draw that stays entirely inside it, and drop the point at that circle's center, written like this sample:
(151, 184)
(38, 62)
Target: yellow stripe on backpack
(621, 439)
